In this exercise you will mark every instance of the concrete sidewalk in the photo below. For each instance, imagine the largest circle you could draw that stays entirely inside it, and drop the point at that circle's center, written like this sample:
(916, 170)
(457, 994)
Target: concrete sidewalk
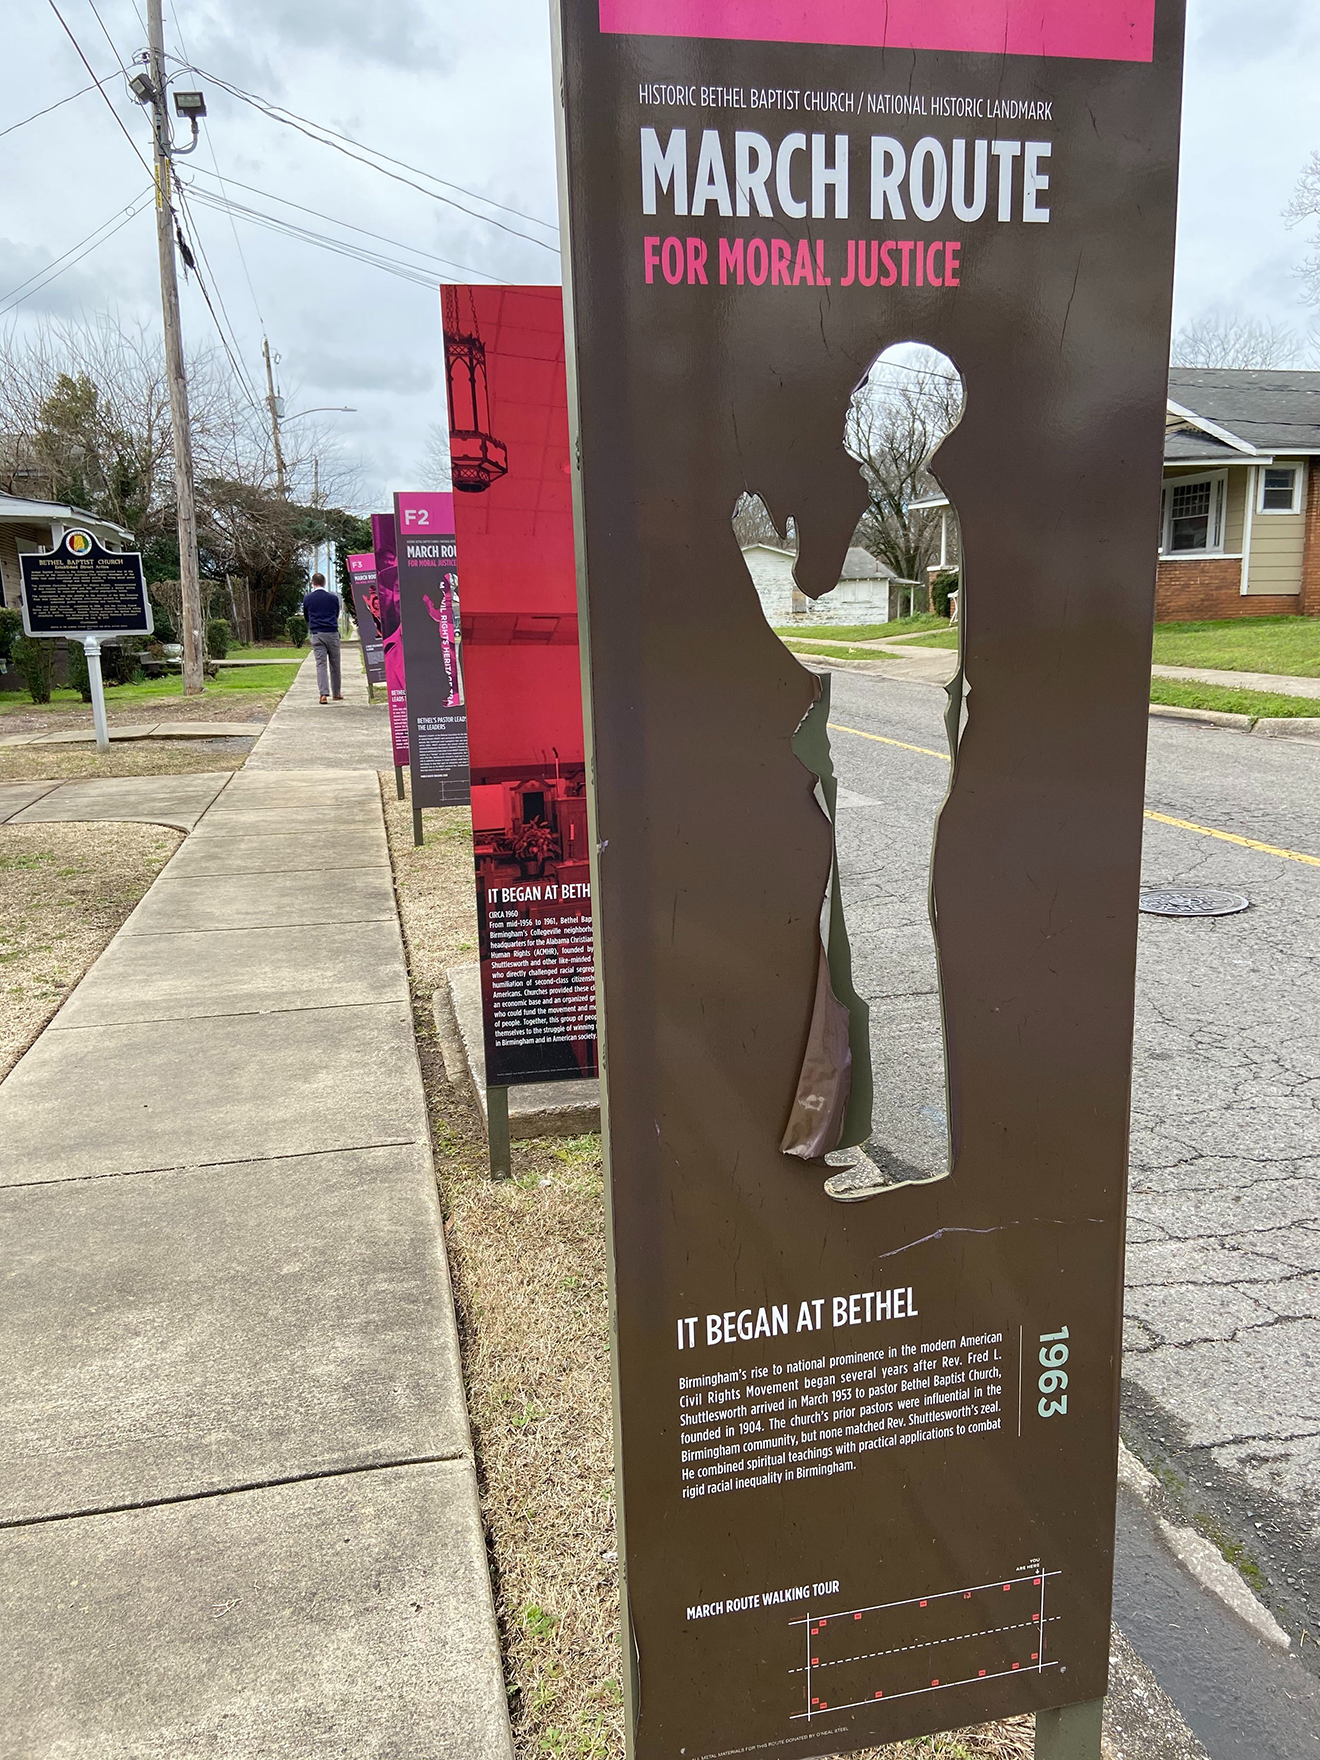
(1280, 683)
(238, 1498)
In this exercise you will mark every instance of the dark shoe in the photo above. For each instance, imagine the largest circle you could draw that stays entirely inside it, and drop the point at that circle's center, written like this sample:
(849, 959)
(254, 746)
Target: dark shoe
(325, 699)
(339, 699)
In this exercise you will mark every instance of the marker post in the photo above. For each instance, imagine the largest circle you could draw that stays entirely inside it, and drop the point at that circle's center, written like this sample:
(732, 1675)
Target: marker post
(92, 649)
(1072, 1732)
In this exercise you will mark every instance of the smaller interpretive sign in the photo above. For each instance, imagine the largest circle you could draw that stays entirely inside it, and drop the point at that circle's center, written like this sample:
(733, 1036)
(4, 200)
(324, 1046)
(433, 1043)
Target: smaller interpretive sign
(80, 588)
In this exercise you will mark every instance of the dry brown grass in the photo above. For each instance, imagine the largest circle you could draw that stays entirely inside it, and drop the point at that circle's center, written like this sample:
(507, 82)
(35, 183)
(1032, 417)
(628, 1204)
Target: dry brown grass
(527, 1257)
(139, 757)
(64, 890)
(65, 716)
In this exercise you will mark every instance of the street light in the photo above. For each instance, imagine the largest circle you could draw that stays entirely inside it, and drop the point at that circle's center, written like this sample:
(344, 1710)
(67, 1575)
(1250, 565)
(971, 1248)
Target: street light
(322, 409)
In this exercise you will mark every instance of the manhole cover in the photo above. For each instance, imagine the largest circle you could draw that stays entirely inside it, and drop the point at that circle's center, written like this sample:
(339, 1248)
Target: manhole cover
(1168, 901)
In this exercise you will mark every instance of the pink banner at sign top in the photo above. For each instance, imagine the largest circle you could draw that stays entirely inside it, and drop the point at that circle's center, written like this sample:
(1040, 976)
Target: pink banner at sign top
(421, 512)
(1091, 30)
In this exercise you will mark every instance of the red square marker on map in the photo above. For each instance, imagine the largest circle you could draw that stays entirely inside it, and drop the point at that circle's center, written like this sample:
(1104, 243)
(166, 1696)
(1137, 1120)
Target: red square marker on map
(1036, 1580)
(1035, 1655)
(815, 1661)
(879, 1695)
(934, 1683)
(1036, 1617)
(1007, 1587)
(921, 1604)
(1017, 1665)
(980, 1671)
(857, 1616)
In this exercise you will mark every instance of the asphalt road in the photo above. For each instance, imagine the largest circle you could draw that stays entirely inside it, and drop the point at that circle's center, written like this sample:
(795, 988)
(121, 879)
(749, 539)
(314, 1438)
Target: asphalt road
(1222, 1383)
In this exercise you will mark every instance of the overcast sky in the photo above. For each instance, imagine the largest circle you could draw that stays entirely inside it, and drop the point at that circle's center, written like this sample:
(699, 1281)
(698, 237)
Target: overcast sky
(465, 92)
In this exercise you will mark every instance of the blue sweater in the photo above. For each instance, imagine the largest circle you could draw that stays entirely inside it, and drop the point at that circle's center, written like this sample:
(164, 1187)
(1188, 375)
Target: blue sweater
(321, 609)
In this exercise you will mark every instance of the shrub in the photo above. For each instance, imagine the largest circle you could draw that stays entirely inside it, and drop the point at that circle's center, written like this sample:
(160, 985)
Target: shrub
(296, 629)
(11, 628)
(79, 677)
(218, 636)
(36, 661)
(162, 622)
(940, 588)
(119, 661)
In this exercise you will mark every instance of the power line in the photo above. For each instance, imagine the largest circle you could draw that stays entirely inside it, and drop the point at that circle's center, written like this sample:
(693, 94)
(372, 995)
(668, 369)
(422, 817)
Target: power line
(109, 39)
(245, 383)
(278, 113)
(119, 123)
(37, 114)
(284, 201)
(341, 247)
(305, 128)
(83, 248)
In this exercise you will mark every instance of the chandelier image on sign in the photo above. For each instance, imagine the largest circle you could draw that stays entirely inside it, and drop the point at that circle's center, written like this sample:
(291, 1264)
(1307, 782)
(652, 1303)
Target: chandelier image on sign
(476, 458)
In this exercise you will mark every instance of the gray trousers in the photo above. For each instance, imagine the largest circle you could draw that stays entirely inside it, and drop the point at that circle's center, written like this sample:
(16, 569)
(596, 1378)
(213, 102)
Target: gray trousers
(325, 646)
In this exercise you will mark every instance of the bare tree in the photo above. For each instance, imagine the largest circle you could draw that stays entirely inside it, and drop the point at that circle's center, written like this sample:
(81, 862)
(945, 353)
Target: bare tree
(85, 419)
(1304, 206)
(1228, 337)
(897, 419)
(435, 473)
(752, 524)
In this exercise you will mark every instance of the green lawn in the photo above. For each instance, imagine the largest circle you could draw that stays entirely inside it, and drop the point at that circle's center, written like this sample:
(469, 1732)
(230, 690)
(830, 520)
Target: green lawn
(245, 679)
(1288, 645)
(866, 632)
(1234, 702)
(1243, 644)
(831, 651)
(286, 654)
(944, 638)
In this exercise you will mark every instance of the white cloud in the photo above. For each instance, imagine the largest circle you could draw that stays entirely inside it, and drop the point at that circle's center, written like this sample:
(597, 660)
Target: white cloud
(467, 93)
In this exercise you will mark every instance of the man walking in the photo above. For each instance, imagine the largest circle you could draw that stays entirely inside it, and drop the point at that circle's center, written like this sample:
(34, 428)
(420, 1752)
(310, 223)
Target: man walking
(321, 609)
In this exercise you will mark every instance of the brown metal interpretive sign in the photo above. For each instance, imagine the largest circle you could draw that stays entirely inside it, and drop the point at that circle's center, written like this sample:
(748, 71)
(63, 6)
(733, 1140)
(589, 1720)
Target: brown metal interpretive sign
(867, 1450)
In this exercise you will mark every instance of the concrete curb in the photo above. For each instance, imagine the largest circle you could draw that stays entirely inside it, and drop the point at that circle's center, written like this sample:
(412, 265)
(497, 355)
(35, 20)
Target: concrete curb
(1265, 726)
(1201, 1556)
(1207, 717)
(1288, 726)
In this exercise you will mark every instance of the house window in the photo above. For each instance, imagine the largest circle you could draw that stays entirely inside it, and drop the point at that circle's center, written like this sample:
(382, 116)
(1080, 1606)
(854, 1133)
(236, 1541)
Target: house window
(1194, 515)
(1278, 489)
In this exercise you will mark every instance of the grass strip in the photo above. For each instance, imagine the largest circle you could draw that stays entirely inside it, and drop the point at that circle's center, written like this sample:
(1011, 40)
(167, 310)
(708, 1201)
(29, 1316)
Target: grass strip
(1229, 700)
(229, 681)
(865, 632)
(64, 891)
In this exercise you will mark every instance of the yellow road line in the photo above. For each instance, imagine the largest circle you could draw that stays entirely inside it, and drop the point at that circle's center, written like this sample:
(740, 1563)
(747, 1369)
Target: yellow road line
(1269, 849)
(837, 727)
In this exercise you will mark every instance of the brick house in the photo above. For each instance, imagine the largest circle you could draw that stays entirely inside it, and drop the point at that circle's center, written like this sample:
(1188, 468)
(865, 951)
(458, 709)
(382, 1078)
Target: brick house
(1240, 516)
(1240, 513)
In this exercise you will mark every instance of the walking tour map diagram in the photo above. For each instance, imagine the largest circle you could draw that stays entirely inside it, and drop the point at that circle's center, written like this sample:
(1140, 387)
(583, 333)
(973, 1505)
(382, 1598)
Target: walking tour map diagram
(928, 1644)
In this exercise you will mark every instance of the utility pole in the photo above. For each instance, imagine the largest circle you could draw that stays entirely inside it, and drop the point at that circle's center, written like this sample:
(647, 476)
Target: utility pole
(273, 404)
(180, 425)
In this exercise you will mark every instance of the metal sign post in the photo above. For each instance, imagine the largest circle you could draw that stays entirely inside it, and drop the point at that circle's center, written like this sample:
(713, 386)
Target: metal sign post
(1070, 1732)
(92, 649)
(86, 593)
